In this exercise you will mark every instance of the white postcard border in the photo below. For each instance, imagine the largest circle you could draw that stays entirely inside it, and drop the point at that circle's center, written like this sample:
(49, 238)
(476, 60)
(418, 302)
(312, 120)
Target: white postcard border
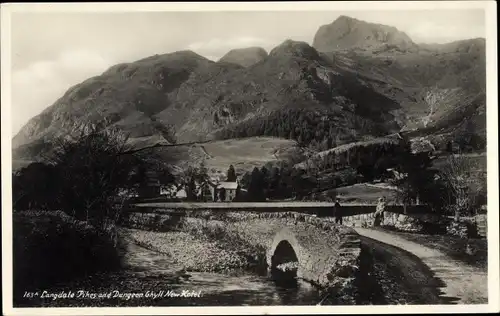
(492, 152)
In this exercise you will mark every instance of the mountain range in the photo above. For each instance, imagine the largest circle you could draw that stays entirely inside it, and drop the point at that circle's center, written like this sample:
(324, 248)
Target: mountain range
(364, 80)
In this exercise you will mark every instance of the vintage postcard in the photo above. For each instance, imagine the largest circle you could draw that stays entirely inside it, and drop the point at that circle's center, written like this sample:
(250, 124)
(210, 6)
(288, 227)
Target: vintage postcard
(249, 158)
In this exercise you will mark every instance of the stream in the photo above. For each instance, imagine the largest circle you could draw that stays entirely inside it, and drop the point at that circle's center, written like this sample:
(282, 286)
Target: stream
(150, 278)
(238, 288)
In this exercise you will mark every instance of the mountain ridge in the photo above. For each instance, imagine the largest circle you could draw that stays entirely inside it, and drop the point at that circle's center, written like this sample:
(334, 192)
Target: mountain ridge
(245, 57)
(368, 87)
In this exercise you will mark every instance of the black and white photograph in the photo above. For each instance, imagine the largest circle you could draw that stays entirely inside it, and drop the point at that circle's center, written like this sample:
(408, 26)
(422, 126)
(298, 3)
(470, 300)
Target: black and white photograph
(181, 157)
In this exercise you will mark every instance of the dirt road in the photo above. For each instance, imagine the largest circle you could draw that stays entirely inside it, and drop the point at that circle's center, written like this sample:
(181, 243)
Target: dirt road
(432, 275)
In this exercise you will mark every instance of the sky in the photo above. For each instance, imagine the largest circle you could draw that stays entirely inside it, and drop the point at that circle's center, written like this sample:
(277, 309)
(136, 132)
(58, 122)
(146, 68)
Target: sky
(50, 52)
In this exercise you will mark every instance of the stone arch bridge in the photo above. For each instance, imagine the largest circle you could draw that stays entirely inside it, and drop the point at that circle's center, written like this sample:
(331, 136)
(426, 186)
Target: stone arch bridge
(319, 251)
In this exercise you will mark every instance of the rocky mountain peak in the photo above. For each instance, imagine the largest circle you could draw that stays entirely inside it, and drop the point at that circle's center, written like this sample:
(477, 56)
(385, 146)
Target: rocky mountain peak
(291, 48)
(350, 33)
(245, 57)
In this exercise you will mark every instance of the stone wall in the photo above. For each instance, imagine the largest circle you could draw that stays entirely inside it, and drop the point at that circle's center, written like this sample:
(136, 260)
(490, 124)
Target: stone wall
(406, 218)
(415, 218)
(411, 223)
(410, 218)
(313, 208)
(418, 210)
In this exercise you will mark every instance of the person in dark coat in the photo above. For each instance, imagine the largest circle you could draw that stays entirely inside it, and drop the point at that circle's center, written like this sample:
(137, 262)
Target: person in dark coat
(337, 212)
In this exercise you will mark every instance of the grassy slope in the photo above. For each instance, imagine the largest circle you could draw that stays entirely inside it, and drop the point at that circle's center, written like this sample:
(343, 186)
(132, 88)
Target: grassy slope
(365, 193)
(389, 139)
(244, 154)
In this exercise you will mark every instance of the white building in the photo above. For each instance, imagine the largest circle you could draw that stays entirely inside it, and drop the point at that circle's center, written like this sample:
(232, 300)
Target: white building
(228, 190)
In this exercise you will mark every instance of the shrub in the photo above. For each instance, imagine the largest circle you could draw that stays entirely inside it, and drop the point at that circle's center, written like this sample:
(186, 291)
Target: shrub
(52, 247)
(30, 189)
(462, 229)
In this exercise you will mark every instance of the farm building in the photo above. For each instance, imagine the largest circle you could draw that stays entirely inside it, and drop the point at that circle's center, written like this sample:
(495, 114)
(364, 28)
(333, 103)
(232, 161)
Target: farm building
(228, 191)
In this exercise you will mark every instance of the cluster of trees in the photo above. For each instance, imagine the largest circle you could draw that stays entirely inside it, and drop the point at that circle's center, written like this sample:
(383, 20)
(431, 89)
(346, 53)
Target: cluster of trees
(413, 175)
(371, 160)
(448, 191)
(32, 187)
(466, 142)
(319, 129)
(464, 191)
(278, 182)
(83, 177)
(453, 189)
(358, 163)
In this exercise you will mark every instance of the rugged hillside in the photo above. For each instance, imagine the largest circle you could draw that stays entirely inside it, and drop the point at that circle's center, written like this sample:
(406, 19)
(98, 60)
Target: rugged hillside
(438, 86)
(294, 75)
(126, 95)
(346, 33)
(245, 57)
(359, 81)
(185, 97)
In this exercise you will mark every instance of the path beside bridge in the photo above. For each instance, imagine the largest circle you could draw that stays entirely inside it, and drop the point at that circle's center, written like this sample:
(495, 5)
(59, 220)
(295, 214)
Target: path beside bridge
(451, 281)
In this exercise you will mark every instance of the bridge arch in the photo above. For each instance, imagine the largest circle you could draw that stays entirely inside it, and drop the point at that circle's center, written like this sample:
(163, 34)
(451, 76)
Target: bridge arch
(285, 249)
(321, 255)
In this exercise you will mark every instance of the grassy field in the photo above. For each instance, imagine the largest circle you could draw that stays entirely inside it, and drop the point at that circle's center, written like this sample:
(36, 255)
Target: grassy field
(389, 139)
(364, 193)
(244, 154)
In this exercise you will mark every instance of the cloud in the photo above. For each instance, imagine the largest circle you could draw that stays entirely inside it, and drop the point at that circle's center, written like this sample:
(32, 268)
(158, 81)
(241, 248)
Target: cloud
(213, 58)
(217, 47)
(430, 31)
(40, 84)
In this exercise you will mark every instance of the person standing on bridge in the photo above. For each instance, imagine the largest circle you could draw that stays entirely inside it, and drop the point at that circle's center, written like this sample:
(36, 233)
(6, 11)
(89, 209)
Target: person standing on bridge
(337, 212)
(379, 212)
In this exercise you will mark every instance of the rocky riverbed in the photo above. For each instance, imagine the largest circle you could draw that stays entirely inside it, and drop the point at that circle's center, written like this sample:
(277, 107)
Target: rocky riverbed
(190, 251)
